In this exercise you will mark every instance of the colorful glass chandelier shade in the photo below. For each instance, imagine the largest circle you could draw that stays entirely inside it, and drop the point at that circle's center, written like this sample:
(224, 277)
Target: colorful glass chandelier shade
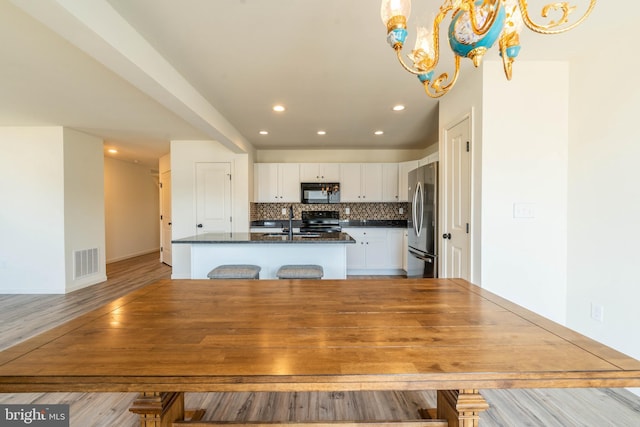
(475, 27)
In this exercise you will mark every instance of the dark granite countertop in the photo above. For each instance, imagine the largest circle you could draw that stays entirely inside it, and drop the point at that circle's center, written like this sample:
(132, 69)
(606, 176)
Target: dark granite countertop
(302, 238)
(382, 223)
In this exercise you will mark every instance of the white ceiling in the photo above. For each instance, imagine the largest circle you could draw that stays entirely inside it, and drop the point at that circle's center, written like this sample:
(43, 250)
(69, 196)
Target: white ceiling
(139, 73)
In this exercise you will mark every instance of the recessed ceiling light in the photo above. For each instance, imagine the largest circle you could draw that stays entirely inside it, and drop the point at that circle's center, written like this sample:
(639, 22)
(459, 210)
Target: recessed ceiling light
(278, 108)
(398, 107)
(378, 132)
(322, 132)
(264, 132)
(112, 151)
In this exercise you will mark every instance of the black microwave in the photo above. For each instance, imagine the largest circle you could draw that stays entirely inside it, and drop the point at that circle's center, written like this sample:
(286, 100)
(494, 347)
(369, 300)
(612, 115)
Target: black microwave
(320, 192)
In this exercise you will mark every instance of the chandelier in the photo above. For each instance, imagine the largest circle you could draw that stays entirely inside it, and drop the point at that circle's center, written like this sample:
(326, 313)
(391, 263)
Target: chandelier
(474, 28)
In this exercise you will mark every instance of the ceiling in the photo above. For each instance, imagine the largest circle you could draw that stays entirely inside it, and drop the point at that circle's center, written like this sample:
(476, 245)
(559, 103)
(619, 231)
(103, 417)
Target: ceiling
(139, 73)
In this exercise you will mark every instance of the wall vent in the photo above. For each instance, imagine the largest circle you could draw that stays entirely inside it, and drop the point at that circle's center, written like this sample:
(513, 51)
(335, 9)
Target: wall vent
(85, 262)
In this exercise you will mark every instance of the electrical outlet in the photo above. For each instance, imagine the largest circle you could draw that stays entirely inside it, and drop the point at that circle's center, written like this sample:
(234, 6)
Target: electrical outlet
(347, 210)
(284, 211)
(597, 312)
(401, 210)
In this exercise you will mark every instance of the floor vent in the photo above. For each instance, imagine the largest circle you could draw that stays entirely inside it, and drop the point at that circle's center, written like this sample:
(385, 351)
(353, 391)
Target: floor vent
(85, 262)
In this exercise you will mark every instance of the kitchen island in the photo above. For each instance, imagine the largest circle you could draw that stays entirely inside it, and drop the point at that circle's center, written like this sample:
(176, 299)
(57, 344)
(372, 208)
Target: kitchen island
(269, 251)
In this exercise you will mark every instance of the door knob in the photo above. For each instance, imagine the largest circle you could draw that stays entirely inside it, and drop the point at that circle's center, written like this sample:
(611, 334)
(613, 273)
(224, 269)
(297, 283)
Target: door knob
(446, 236)
(199, 225)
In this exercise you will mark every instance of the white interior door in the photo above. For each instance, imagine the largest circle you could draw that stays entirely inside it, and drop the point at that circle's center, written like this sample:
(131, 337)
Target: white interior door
(213, 198)
(455, 227)
(165, 217)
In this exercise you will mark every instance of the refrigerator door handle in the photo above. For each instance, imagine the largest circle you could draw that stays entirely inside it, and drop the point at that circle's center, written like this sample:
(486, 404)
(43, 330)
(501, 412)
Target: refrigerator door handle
(420, 256)
(418, 200)
(414, 207)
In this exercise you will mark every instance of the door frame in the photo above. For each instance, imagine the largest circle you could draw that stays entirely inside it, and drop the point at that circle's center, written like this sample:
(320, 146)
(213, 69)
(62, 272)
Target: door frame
(165, 196)
(474, 218)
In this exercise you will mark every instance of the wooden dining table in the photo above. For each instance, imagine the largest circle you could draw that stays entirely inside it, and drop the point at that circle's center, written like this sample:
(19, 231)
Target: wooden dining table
(177, 336)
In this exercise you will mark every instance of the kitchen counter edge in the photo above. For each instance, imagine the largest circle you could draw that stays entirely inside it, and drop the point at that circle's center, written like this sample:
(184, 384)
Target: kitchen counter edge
(251, 238)
(373, 223)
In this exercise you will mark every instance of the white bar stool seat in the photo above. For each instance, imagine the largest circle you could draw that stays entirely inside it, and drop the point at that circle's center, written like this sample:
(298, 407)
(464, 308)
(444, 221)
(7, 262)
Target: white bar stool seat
(235, 271)
(304, 271)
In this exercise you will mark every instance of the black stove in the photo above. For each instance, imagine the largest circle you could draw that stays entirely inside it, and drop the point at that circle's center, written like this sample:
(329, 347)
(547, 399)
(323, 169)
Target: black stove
(320, 222)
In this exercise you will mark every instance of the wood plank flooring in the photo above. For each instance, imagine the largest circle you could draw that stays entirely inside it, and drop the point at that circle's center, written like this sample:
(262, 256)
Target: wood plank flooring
(24, 316)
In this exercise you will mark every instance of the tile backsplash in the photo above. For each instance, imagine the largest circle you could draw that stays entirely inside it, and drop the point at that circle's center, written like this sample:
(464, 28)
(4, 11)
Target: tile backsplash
(358, 211)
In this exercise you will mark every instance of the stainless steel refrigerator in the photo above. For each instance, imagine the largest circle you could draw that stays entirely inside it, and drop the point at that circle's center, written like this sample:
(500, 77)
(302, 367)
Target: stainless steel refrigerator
(422, 260)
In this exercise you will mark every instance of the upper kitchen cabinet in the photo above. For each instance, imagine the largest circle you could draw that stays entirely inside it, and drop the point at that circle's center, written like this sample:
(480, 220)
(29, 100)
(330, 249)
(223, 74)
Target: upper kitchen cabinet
(319, 172)
(276, 182)
(390, 182)
(361, 182)
(403, 179)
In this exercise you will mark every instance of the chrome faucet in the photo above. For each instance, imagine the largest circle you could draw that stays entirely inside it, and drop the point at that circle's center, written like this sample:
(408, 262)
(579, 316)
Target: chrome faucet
(291, 222)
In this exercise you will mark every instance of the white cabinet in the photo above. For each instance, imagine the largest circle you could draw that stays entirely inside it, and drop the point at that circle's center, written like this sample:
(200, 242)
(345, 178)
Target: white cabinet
(403, 179)
(350, 177)
(390, 182)
(319, 172)
(376, 251)
(395, 247)
(361, 182)
(277, 182)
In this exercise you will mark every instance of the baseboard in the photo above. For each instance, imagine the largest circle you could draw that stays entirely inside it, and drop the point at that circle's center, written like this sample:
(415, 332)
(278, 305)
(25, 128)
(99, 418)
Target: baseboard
(85, 283)
(376, 272)
(133, 255)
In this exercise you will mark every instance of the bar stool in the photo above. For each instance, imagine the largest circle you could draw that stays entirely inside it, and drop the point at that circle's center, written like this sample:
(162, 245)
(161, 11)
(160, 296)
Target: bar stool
(235, 271)
(305, 271)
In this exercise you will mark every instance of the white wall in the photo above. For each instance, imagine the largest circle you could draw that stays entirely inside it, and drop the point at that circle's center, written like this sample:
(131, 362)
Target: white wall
(334, 156)
(32, 215)
(52, 205)
(132, 223)
(525, 161)
(604, 196)
(519, 155)
(184, 156)
(83, 204)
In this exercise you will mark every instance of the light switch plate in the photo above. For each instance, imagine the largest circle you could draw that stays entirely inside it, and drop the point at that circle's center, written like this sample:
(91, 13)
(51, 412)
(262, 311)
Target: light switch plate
(524, 210)
(597, 312)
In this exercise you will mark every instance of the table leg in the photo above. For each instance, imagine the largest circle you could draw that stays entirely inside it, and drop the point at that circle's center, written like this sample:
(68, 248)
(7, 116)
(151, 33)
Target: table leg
(158, 409)
(461, 408)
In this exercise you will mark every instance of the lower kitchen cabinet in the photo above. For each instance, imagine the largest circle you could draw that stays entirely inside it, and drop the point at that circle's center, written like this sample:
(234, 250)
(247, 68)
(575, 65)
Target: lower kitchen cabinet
(378, 251)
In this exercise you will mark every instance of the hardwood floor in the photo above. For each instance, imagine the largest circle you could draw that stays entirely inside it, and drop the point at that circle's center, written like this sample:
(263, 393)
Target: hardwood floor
(24, 316)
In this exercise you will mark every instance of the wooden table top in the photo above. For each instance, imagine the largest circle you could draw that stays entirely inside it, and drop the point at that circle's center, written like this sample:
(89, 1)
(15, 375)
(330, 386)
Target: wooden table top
(280, 335)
